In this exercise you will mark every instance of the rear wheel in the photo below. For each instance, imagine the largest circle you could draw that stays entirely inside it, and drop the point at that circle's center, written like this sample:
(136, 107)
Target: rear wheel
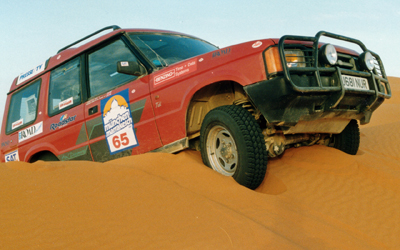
(232, 143)
(349, 140)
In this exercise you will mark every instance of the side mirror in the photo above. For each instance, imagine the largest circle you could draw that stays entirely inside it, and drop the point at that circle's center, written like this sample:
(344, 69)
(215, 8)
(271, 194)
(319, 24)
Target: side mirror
(130, 68)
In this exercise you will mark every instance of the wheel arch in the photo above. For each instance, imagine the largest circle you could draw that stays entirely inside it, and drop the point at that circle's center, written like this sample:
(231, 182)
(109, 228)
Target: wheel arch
(42, 155)
(38, 150)
(209, 97)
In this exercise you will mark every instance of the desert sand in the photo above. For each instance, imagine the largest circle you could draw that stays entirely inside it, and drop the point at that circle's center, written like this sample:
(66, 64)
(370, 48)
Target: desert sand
(312, 198)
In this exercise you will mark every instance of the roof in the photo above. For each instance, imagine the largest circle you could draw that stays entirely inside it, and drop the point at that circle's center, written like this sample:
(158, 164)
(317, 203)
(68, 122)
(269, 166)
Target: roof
(68, 52)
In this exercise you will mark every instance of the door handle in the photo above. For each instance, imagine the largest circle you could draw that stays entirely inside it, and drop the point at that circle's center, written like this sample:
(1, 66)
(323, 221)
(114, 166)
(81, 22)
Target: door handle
(93, 110)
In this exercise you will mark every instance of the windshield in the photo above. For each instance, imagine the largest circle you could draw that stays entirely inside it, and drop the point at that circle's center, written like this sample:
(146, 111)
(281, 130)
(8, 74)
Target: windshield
(165, 49)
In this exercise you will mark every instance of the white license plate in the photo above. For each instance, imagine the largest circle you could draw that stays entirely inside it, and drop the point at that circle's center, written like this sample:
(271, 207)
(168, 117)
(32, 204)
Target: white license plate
(357, 83)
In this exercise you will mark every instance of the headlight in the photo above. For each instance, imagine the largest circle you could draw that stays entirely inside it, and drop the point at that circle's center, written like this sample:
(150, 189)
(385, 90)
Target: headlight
(295, 58)
(328, 54)
(367, 61)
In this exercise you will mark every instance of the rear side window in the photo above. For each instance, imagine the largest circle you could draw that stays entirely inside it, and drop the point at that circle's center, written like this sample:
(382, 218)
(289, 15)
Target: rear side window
(103, 75)
(23, 107)
(65, 87)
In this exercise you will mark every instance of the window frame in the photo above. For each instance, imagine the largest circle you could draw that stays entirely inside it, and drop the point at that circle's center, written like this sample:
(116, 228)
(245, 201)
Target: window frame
(82, 88)
(147, 59)
(34, 81)
(123, 38)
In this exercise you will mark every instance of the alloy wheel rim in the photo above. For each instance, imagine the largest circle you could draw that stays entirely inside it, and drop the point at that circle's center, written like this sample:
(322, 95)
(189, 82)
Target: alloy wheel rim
(222, 150)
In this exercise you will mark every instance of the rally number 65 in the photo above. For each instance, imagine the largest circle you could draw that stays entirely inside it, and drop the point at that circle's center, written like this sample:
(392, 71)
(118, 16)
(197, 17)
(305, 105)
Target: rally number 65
(121, 139)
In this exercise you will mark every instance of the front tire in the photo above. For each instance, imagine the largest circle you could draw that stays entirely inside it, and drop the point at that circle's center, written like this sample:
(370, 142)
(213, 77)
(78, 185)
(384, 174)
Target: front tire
(232, 143)
(349, 140)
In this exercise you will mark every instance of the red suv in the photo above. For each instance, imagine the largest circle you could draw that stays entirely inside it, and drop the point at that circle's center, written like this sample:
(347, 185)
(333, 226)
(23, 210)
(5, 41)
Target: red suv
(132, 91)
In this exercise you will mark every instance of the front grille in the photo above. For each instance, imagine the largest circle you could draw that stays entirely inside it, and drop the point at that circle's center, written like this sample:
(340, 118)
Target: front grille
(308, 60)
(309, 57)
(346, 61)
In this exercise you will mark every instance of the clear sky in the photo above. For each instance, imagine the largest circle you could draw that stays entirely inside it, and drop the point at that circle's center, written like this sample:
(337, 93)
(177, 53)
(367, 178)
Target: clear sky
(32, 31)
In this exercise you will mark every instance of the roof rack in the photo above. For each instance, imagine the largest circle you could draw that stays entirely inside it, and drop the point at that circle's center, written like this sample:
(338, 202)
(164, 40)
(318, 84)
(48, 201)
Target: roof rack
(114, 27)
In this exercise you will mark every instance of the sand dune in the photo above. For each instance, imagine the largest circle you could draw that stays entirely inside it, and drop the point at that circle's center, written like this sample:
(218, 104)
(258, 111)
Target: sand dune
(312, 198)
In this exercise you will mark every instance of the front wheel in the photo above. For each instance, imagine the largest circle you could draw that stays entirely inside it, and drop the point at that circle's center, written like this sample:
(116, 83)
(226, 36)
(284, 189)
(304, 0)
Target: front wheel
(349, 140)
(232, 143)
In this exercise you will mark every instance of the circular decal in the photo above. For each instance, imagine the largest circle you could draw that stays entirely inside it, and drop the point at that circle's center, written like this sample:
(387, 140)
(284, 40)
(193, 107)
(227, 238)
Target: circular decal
(256, 44)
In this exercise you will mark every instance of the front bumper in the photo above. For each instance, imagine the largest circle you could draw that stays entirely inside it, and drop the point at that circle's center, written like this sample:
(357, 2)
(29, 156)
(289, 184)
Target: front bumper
(285, 104)
(317, 92)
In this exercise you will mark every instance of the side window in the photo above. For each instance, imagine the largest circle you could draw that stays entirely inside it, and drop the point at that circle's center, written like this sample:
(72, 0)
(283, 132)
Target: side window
(103, 75)
(65, 87)
(23, 107)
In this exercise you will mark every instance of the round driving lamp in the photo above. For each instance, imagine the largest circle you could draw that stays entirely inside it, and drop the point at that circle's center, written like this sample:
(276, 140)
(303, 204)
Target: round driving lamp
(328, 54)
(367, 61)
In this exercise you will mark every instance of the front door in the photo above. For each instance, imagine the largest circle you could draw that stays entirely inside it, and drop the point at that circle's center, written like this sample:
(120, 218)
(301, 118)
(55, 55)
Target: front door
(119, 115)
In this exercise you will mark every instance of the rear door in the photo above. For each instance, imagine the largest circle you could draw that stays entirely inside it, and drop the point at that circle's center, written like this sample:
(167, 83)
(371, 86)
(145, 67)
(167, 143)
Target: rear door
(119, 114)
(65, 122)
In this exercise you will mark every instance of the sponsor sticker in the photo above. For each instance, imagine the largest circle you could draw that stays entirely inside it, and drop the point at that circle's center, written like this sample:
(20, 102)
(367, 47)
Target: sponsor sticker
(256, 44)
(64, 120)
(66, 103)
(177, 71)
(124, 64)
(6, 143)
(30, 132)
(31, 73)
(12, 156)
(17, 124)
(221, 52)
(118, 123)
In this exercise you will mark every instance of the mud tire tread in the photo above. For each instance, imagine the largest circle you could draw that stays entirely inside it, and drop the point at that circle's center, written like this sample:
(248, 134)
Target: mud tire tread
(349, 140)
(248, 137)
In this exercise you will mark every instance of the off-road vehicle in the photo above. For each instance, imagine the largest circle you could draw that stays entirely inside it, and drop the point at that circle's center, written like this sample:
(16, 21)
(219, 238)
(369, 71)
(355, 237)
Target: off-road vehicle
(132, 91)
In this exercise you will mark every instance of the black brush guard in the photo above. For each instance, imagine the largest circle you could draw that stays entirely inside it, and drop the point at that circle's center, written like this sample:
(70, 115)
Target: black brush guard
(290, 96)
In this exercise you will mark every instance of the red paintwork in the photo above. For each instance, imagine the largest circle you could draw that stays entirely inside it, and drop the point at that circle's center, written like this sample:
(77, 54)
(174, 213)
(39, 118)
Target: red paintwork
(164, 116)
(176, 94)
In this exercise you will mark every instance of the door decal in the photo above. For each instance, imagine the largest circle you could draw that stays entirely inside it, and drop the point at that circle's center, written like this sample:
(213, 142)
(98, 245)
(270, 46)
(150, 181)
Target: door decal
(118, 123)
(95, 126)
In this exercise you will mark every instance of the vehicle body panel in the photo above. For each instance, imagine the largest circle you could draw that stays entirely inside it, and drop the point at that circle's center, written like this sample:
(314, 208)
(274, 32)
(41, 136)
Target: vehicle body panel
(171, 100)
